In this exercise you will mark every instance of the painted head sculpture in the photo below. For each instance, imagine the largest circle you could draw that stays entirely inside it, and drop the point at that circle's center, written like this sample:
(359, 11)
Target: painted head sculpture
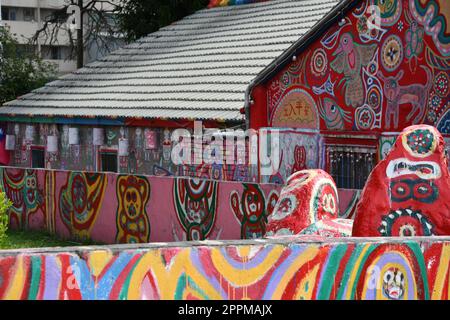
(308, 197)
(411, 187)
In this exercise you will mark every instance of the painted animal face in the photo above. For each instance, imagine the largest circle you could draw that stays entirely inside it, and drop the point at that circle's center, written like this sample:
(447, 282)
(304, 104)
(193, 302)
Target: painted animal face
(132, 202)
(345, 44)
(79, 194)
(391, 86)
(196, 210)
(31, 190)
(253, 204)
(393, 283)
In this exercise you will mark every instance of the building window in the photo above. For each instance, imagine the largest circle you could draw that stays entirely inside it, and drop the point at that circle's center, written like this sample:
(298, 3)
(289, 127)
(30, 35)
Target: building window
(55, 53)
(28, 14)
(37, 158)
(8, 14)
(350, 166)
(108, 161)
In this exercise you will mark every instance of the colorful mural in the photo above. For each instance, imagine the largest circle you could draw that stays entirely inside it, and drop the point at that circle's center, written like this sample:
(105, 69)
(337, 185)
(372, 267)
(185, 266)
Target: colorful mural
(268, 269)
(411, 187)
(362, 76)
(117, 208)
(114, 208)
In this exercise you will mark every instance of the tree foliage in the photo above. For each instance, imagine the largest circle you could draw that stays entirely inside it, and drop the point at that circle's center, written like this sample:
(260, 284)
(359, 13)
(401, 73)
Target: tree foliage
(20, 70)
(5, 204)
(106, 21)
(138, 18)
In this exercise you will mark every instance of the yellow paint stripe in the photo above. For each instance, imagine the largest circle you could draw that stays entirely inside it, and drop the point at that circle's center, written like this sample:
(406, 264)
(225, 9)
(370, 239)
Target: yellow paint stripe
(305, 257)
(167, 278)
(17, 284)
(351, 280)
(244, 277)
(443, 269)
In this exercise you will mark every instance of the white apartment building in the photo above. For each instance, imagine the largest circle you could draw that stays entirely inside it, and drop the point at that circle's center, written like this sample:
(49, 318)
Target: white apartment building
(25, 17)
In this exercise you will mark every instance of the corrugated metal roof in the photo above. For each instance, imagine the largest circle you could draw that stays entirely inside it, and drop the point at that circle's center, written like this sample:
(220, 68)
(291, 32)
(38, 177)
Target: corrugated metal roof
(196, 68)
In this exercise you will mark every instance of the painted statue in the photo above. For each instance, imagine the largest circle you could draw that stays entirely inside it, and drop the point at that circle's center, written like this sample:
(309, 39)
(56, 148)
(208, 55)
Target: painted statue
(411, 187)
(350, 58)
(308, 197)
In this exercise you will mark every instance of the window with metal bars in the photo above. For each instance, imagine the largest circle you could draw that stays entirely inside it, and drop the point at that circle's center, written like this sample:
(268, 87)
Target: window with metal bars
(350, 166)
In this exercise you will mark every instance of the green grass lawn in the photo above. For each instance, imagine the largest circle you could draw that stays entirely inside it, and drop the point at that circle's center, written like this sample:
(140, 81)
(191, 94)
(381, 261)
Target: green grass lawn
(34, 239)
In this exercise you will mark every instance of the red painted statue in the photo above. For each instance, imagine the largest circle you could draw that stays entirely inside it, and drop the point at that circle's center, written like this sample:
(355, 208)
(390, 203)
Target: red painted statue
(408, 193)
(308, 197)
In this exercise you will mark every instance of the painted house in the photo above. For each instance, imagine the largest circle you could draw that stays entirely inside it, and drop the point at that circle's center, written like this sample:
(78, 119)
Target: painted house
(335, 79)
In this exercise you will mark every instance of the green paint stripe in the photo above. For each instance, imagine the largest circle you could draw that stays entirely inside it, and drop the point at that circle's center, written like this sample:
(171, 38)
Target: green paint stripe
(35, 277)
(349, 268)
(329, 274)
(181, 286)
(415, 247)
(123, 295)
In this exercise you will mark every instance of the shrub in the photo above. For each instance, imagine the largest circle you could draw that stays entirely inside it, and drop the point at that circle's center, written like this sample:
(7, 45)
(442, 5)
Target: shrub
(5, 204)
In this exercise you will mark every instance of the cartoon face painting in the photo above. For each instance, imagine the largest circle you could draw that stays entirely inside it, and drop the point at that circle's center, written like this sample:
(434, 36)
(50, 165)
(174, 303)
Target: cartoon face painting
(411, 186)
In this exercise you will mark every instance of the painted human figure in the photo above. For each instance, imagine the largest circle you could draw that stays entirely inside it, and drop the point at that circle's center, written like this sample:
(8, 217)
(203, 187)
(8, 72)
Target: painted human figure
(350, 58)
(411, 187)
(299, 159)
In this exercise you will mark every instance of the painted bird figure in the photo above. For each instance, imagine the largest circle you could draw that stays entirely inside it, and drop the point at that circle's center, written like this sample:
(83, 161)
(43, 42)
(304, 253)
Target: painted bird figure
(350, 58)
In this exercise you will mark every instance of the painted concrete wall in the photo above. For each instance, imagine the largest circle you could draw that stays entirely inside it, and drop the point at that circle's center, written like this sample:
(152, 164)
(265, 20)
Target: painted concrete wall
(113, 208)
(351, 269)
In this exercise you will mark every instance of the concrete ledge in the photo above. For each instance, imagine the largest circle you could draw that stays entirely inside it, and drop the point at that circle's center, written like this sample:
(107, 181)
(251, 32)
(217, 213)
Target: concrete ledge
(286, 268)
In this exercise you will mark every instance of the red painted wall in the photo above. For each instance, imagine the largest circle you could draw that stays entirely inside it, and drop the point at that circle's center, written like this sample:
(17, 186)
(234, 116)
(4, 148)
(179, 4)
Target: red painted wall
(354, 78)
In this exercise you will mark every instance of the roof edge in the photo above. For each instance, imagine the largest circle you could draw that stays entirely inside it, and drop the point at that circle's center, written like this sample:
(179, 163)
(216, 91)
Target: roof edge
(338, 12)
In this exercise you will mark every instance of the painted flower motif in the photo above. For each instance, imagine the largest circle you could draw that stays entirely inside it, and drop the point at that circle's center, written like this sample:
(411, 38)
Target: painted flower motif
(400, 25)
(434, 101)
(362, 25)
(431, 116)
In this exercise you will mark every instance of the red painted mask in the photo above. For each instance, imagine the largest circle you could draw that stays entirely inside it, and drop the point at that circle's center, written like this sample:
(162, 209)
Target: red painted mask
(407, 193)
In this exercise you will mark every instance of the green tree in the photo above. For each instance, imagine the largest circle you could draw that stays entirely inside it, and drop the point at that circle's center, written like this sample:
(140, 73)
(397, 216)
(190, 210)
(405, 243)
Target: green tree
(20, 70)
(5, 204)
(138, 18)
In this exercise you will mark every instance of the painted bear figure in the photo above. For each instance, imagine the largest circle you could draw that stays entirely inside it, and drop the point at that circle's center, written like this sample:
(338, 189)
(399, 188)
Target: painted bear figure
(407, 193)
(308, 197)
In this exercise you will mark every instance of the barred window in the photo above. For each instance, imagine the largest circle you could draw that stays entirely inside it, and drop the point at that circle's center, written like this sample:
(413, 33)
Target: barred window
(350, 166)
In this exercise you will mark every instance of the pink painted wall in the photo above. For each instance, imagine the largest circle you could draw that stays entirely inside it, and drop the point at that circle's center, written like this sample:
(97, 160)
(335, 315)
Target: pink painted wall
(114, 208)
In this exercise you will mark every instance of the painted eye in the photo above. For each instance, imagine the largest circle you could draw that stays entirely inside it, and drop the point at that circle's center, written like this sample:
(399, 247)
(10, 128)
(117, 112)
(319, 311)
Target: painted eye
(388, 277)
(399, 278)
(333, 108)
(345, 41)
(128, 197)
(134, 196)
